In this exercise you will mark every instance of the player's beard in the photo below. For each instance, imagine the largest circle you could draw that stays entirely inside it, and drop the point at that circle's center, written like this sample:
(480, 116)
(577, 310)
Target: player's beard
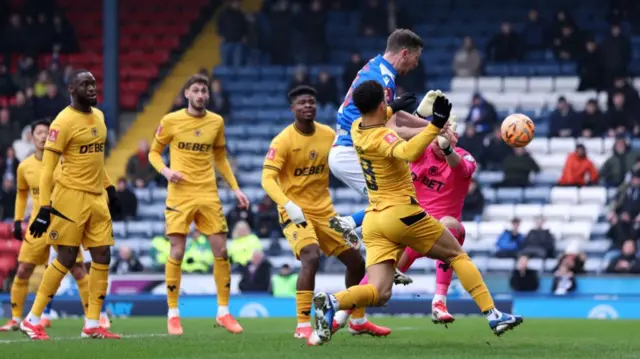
(194, 105)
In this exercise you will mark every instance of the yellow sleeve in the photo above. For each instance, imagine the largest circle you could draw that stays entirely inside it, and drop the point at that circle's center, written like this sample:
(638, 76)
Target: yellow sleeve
(50, 160)
(162, 138)
(58, 137)
(22, 195)
(107, 180)
(390, 145)
(273, 162)
(221, 160)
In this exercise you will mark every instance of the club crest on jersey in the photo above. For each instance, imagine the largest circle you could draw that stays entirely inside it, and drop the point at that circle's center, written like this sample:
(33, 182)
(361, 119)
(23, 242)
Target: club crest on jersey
(53, 135)
(390, 138)
(433, 170)
(197, 132)
(294, 235)
(53, 235)
(388, 95)
(313, 154)
(94, 132)
(271, 154)
(469, 158)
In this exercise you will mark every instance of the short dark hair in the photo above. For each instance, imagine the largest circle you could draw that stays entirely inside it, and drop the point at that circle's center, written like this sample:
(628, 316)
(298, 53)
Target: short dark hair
(37, 123)
(74, 75)
(196, 79)
(403, 39)
(368, 96)
(301, 90)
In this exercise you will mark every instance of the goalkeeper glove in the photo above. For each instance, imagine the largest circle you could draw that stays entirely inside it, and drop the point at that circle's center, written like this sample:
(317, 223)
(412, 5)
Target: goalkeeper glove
(41, 223)
(295, 214)
(425, 108)
(405, 101)
(441, 111)
(17, 230)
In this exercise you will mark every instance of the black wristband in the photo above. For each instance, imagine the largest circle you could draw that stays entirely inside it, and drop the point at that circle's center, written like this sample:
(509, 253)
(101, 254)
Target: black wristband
(447, 151)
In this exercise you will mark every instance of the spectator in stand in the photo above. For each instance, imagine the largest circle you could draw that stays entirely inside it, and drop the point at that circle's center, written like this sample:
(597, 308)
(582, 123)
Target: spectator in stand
(621, 119)
(579, 170)
(9, 164)
(138, 166)
(632, 99)
(351, 69)
(533, 34)
(524, 279)
(495, 151)
(7, 86)
(283, 284)
(467, 62)
(482, 114)
(616, 50)
(63, 38)
(518, 168)
(128, 201)
(219, 99)
(504, 46)
(374, 19)
(280, 19)
(22, 112)
(40, 87)
(568, 46)
(591, 68)
(592, 120)
(510, 242)
(314, 43)
(616, 167)
(178, 103)
(564, 121)
(232, 28)
(24, 146)
(26, 74)
(626, 262)
(7, 198)
(300, 77)
(624, 216)
(563, 18)
(50, 105)
(472, 142)
(539, 242)
(254, 44)
(327, 90)
(569, 265)
(473, 203)
(126, 262)
(240, 214)
(256, 276)
(244, 244)
(9, 130)
(14, 36)
(267, 219)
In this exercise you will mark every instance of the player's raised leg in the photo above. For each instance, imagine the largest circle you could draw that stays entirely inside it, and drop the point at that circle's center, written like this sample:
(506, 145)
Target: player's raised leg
(447, 249)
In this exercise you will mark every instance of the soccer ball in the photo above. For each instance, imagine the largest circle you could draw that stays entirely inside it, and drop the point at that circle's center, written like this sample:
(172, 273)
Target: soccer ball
(517, 130)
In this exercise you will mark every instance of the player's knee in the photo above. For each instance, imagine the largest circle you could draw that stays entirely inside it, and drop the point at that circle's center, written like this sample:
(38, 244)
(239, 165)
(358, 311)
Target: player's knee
(67, 256)
(177, 250)
(450, 223)
(101, 255)
(218, 244)
(78, 271)
(25, 270)
(310, 257)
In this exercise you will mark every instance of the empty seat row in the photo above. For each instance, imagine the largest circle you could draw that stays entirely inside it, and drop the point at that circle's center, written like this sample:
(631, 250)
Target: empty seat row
(562, 212)
(515, 84)
(560, 145)
(584, 195)
(515, 100)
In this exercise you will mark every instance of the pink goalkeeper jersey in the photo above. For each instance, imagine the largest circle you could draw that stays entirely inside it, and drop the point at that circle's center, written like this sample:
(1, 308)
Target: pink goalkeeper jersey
(441, 190)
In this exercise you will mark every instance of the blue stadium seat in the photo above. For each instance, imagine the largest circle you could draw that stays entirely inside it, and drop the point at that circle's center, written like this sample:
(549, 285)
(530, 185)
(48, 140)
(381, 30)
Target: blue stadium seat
(509, 195)
(489, 178)
(159, 194)
(223, 72)
(489, 194)
(139, 228)
(496, 70)
(142, 194)
(119, 230)
(248, 73)
(270, 73)
(537, 195)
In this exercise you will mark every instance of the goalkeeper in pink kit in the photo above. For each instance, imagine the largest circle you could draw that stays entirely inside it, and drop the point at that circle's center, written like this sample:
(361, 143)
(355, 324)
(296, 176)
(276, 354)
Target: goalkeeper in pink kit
(441, 176)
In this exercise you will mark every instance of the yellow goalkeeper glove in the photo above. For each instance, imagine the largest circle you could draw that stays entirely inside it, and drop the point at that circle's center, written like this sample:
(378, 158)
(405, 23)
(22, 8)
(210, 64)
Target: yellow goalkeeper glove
(425, 108)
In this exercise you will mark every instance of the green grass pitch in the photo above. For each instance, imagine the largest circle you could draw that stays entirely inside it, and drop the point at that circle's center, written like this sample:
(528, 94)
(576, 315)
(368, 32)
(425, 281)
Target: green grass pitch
(273, 338)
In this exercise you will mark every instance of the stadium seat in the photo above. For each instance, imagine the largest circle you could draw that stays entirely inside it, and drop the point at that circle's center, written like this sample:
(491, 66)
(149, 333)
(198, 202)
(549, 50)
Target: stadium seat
(471, 231)
(499, 212)
(585, 212)
(463, 84)
(119, 229)
(500, 264)
(159, 194)
(537, 195)
(576, 231)
(491, 230)
(541, 84)
(592, 145)
(539, 145)
(547, 177)
(142, 194)
(562, 145)
(567, 195)
(489, 194)
(515, 84)
(489, 178)
(139, 228)
(597, 195)
(556, 212)
(528, 211)
(509, 195)
(552, 161)
(566, 84)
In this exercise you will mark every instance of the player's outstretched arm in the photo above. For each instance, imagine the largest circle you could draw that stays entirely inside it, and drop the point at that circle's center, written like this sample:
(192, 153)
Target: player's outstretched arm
(406, 125)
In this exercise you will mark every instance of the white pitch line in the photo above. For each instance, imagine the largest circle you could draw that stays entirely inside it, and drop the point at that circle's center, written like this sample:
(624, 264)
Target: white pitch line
(124, 336)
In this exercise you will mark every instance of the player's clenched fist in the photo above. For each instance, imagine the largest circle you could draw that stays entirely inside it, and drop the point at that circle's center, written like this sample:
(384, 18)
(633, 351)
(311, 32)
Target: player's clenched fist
(172, 176)
(425, 108)
(243, 200)
(295, 213)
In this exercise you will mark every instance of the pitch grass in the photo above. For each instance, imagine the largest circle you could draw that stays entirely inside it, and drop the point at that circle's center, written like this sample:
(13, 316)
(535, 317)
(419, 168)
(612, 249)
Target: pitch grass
(273, 338)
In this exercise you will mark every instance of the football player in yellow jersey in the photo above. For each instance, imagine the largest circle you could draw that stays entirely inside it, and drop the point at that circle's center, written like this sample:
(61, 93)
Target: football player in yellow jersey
(75, 213)
(197, 143)
(33, 251)
(394, 219)
(296, 176)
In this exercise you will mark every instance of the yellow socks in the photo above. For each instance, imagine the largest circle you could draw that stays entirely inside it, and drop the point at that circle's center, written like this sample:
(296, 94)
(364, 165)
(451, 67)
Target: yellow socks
(51, 279)
(173, 275)
(303, 306)
(222, 276)
(472, 281)
(358, 296)
(83, 291)
(358, 313)
(98, 283)
(19, 291)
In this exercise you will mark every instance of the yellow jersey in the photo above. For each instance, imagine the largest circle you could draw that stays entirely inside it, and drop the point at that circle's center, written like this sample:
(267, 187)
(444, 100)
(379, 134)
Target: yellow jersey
(383, 157)
(301, 162)
(28, 179)
(81, 139)
(193, 143)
